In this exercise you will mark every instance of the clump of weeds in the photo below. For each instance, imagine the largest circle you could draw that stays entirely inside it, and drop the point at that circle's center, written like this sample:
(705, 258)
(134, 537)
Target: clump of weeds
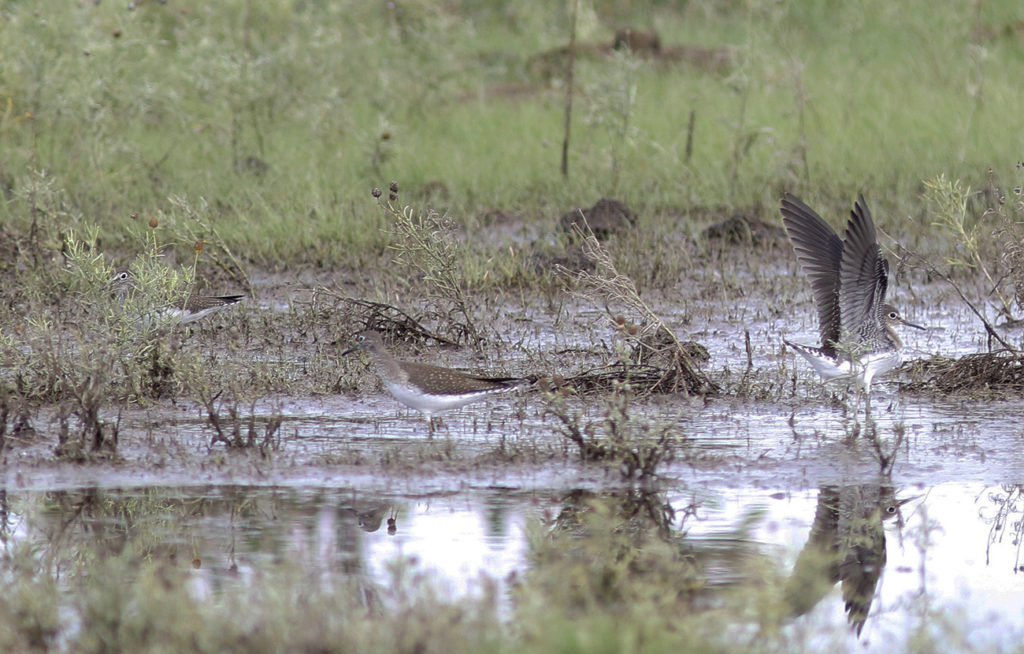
(620, 567)
(191, 225)
(620, 440)
(607, 286)
(950, 202)
(999, 224)
(424, 244)
(66, 346)
(87, 338)
(352, 314)
(15, 418)
(1002, 272)
(238, 430)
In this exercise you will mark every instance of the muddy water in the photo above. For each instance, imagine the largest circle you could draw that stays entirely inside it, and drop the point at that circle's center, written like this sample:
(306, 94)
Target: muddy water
(354, 484)
(949, 548)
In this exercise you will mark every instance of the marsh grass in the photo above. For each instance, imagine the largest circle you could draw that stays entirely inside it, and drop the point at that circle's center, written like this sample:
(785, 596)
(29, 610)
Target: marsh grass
(149, 570)
(97, 571)
(601, 561)
(256, 129)
(985, 374)
(236, 430)
(425, 246)
(275, 125)
(76, 337)
(612, 98)
(635, 446)
(977, 235)
(607, 286)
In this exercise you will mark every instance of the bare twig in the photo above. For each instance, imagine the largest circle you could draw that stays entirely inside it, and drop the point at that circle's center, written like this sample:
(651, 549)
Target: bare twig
(932, 270)
(424, 242)
(570, 68)
(384, 318)
(608, 284)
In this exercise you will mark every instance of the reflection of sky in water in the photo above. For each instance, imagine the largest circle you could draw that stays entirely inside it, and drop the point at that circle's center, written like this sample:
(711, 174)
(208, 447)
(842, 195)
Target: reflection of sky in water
(455, 537)
(989, 596)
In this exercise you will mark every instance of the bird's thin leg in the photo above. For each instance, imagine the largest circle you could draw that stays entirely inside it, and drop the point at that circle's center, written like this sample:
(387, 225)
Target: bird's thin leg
(857, 396)
(430, 424)
(869, 423)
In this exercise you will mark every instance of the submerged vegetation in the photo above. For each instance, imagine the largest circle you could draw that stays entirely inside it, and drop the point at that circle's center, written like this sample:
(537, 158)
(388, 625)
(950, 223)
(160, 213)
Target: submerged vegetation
(258, 149)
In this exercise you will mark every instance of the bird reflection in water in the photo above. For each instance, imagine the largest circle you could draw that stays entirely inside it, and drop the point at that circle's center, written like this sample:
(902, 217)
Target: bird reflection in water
(847, 545)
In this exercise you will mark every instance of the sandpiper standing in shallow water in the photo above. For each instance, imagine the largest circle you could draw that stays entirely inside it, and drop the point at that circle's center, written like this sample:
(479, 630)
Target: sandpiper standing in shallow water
(849, 278)
(426, 388)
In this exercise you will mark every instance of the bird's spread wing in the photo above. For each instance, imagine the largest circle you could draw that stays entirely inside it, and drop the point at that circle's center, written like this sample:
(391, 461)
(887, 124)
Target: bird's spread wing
(864, 277)
(820, 253)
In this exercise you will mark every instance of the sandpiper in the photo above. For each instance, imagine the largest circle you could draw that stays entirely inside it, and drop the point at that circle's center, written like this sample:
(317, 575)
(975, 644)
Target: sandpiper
(846, 544)
(426, 388)
(849, 278)
(188, 309)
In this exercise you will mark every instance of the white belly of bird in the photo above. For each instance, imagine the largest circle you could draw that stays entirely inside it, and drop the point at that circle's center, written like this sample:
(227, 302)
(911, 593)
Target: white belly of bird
(429, 403)
(864, 370)
(877, 364)
(174, 315)
(168, 316)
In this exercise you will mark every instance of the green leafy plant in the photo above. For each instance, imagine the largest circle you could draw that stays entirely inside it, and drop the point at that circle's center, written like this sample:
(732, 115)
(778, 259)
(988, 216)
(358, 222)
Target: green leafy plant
(425, 245)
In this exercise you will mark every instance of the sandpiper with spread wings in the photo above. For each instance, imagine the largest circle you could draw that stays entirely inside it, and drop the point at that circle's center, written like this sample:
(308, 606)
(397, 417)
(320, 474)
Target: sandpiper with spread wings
(849, 277)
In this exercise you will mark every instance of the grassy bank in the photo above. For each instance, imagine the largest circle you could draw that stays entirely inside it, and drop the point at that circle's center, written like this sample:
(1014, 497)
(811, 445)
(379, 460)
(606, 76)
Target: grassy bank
(282, 116)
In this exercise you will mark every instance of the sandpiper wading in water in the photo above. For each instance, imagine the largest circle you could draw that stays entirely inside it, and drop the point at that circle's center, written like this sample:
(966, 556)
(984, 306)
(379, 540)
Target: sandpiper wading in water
(189, 308)
(426, 388)
(849, 278)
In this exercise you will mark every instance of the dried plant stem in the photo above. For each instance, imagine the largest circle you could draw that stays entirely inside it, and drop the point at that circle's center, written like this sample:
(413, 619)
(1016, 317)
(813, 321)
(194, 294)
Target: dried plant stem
(950, 200)
(425, 243)
(611, 286)
(570, 68)
(932, 270)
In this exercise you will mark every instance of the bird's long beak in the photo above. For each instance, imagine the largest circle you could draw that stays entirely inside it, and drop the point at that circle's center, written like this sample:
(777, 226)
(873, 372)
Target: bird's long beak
(904, 500)
(910, 324)
(350, 350)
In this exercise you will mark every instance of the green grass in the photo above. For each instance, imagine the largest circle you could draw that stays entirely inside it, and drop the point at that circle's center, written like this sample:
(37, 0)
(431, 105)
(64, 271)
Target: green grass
(274, 112)
(260, 129)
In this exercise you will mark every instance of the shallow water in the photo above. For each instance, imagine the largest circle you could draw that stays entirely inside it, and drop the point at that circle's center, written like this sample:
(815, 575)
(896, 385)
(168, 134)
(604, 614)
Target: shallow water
(945, 551)
(342, 466)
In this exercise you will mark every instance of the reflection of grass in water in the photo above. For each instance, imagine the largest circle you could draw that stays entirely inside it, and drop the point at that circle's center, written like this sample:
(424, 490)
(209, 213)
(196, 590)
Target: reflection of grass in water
(260, 111)
(125, 582)
(96, 570)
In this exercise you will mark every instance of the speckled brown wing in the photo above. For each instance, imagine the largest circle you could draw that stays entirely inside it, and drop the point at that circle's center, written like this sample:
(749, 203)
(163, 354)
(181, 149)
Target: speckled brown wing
(446, 381)
(199, 303)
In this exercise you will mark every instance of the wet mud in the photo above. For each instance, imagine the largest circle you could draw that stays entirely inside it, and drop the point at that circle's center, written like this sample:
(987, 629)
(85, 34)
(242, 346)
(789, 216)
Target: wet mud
(345, 476)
